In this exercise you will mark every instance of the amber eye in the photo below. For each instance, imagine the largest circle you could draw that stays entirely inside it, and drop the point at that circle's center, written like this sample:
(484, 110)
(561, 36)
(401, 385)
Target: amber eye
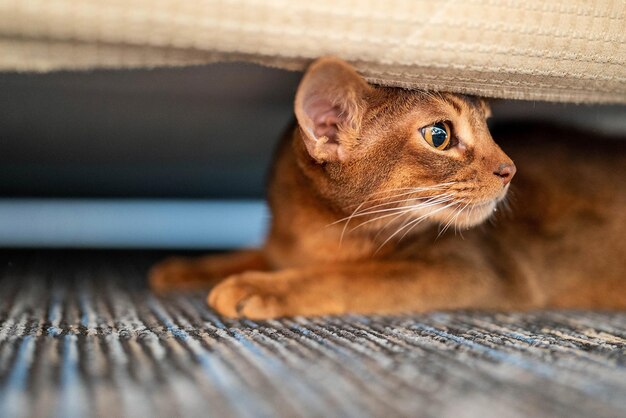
(437, 135)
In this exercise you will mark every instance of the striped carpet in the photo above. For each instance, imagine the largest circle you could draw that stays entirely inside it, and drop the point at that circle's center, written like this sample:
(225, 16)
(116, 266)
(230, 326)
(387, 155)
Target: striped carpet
(81, 336)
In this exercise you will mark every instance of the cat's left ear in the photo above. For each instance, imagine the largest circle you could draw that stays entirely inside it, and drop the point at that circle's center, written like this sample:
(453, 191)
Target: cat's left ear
(329, 107)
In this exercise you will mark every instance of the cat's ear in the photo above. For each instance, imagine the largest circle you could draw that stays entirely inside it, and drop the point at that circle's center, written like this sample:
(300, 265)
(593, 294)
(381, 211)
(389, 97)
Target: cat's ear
(329, 107)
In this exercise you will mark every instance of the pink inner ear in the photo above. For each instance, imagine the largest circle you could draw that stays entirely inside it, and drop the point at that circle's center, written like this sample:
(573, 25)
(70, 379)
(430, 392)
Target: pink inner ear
(325, 118)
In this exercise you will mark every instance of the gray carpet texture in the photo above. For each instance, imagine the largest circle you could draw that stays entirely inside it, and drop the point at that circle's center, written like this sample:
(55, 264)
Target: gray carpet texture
(81, 336)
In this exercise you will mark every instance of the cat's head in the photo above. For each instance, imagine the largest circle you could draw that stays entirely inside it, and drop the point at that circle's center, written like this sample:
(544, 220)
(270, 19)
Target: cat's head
(393, 155)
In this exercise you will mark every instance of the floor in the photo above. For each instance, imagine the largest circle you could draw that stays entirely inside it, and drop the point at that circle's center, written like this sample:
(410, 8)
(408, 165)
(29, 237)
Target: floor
(81, 336)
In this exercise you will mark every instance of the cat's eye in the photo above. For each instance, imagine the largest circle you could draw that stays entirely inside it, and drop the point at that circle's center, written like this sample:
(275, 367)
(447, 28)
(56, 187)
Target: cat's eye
(437, 135)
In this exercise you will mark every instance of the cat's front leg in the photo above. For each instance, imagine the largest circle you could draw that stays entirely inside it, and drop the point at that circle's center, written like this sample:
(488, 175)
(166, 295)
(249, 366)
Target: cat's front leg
(376, 287)
(185, 274)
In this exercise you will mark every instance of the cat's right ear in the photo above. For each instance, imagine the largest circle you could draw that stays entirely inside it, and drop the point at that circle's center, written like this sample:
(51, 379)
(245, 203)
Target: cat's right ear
(329, 107)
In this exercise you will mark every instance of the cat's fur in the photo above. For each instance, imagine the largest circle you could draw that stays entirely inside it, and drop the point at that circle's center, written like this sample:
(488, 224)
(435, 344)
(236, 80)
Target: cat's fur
(358, 202)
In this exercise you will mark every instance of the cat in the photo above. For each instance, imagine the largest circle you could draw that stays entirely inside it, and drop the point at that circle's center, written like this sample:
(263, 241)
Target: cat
(379, 198)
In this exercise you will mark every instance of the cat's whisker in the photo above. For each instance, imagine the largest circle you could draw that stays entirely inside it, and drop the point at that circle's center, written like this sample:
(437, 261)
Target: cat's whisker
(415, 220)
(457, 227)
(360, 211)
(343, 231)
(425, 203)
(411, 190)
(412, 225)
(432, 187)
(453, 216)
(442, 228)
(357, 213)
(392, 202)
(449, 220)
(391, 222)
(404, 210)
(469, 215)
(416, 188)
(425, 198)
(454, 223)
(452, 219)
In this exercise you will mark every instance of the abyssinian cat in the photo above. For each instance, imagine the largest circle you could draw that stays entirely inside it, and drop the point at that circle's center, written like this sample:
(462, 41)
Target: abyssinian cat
(367, 192)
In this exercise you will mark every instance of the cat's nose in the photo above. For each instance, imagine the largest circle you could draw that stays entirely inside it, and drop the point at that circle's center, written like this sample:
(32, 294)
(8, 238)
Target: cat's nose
(505, 171)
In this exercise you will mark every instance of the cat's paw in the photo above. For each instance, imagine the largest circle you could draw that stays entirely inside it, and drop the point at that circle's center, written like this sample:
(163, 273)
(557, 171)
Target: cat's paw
(253, 295)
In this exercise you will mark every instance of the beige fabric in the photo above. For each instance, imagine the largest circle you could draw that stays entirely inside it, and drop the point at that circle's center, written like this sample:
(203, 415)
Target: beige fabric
(528, 49)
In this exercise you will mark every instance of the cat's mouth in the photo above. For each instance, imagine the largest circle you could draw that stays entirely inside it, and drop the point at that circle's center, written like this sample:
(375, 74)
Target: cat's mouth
(475, 213)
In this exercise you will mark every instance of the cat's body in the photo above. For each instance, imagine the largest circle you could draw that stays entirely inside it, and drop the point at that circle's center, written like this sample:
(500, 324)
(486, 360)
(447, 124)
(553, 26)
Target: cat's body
(359, 204)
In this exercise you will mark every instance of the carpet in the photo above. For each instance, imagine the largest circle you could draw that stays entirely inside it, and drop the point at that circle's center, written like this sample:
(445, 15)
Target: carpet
(80, 336)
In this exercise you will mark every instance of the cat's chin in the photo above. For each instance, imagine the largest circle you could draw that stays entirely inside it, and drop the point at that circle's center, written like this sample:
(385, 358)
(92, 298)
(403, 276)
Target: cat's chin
(466, 216)
(476, 214)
